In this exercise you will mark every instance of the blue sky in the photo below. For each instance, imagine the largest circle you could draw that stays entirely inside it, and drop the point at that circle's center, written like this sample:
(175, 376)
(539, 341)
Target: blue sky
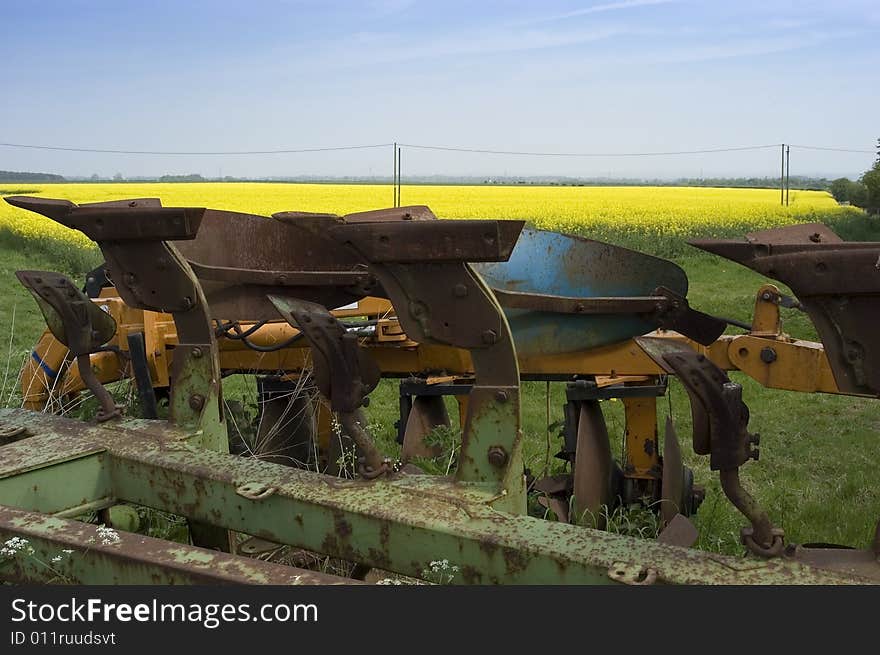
(575, 76)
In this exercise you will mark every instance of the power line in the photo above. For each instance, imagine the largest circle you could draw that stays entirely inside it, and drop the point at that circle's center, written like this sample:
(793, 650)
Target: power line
(485, 151)
(589, 154)
(866, 152)
(161, 152)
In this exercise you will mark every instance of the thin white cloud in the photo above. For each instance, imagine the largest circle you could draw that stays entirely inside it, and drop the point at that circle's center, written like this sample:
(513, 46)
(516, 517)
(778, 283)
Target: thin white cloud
(752, 47)
(603, 8)
(376, 48)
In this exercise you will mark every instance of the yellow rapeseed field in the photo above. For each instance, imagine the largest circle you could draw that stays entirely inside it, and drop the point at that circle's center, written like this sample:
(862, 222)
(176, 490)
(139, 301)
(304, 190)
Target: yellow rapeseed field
(651, 218)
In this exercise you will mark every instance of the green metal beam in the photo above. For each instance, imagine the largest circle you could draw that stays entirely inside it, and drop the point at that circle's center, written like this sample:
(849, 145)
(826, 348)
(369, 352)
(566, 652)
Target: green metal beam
(63, 551)
(399, 524)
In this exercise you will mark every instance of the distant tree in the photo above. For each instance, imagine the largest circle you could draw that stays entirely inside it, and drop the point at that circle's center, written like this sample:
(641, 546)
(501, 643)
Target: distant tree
(858, 194)
(118, 177)
(845, 190)
(840, 189)
(95, 177)
(871, 183)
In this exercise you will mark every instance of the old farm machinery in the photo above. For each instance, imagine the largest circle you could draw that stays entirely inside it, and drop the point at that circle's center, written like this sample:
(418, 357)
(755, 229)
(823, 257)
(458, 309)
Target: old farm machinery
(463, 308)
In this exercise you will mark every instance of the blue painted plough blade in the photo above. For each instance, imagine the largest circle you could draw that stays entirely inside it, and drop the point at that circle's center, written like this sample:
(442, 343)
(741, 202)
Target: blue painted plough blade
(564, 265)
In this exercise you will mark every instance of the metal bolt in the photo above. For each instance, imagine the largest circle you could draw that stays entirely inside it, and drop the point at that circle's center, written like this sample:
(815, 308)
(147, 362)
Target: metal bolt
(501, 396)
(187, 302)
(196, 401)
(766, 296)
(459, 290)
(768, 355)
(489, 337)
(197, 352)
(497, 456)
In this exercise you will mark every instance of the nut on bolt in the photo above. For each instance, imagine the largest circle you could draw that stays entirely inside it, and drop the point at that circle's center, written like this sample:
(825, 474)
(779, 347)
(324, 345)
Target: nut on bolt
(497, 456)
(489, 337)
(197, 401)
(197, 352)
(459, 290)
(768, 355)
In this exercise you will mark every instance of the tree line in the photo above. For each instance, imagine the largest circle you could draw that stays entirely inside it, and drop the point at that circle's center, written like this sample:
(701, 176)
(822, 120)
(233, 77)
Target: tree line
(864, 192)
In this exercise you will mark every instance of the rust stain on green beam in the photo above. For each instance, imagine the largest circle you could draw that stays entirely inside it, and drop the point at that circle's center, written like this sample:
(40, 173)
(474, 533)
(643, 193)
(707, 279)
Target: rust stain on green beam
(128, 558)
(405, 523)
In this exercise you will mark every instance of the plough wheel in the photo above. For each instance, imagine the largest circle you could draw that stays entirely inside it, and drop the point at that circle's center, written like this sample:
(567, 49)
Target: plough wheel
(427, 413)
(672, 500)
(592, 467)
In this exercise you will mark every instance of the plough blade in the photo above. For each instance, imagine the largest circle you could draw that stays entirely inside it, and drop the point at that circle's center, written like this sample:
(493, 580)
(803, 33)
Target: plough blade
(838, 284)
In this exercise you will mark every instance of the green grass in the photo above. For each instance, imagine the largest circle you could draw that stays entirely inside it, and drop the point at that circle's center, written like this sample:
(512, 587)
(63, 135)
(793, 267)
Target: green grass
(819, 458)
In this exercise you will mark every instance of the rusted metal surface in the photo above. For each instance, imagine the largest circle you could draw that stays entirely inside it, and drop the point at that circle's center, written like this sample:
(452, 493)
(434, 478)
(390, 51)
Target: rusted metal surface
(664, 308)
(243, 258)
(572, 305)
(721, 423)
(408, 213)
(344, 373)
(434, 241)
(76, 322)
(849, 561)
(837, 283)
(399, 524)
(423, 267)
(672, 497)
(679, 531)
(592, 467)
(425, 414)
(61, 551)
(72, 317)
(123, 220)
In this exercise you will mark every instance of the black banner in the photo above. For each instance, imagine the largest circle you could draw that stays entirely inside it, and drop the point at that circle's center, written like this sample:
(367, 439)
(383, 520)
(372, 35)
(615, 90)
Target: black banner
(60, 618)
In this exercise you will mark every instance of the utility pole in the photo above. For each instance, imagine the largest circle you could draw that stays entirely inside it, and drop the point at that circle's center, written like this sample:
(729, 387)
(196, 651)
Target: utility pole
(399, 168)
(782, 177)
(787, 172)
(394, 175)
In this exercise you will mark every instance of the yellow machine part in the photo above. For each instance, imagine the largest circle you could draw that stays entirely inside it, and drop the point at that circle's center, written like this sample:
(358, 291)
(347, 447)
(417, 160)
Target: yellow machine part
(765, 354)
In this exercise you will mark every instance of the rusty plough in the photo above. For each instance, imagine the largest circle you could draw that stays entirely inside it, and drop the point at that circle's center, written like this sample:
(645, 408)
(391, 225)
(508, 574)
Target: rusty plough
(466, 308)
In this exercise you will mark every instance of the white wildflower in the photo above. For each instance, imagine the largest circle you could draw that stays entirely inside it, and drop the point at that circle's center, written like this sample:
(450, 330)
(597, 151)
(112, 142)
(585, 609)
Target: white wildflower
(108, 536)
(15, 545)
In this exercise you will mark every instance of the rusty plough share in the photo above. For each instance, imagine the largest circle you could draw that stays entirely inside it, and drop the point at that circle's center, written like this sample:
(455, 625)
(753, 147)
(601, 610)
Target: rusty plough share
(475, 307)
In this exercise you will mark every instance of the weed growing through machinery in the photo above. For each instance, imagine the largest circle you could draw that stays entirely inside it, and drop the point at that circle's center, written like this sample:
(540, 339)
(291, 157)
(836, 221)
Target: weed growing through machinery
(18, 548)
(440, 572)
